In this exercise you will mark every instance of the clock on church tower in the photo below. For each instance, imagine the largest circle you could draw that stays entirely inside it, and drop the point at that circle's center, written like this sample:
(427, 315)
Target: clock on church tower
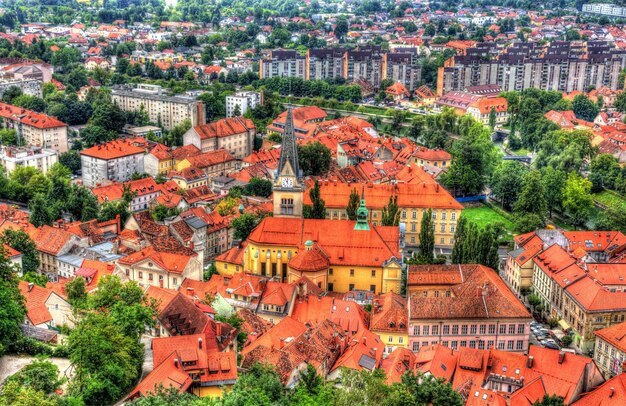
(288, 187)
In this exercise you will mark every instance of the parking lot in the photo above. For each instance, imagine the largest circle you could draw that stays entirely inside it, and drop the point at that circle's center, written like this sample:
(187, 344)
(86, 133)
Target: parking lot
(542, 335)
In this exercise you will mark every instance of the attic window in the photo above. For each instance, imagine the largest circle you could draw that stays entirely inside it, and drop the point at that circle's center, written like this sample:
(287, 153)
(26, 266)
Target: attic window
(150, 264)
(392, 324)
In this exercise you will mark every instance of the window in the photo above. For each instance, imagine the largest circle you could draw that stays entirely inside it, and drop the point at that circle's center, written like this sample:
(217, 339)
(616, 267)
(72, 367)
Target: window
(502, 328)
(425, 293)
(442, 228)
(435, 330)
(330, 287)
(403, 214)
(400, 340)
(509, 345)
(447, 293)
(140, 275)
(519, 345)
(464, 329)
(511, 328)
(455, 329)
(150, 276)
(463, 343)
(330, 271)
(473, 329)
(416, 346)
(351, 287)
(472, 344)
(482, 329)
(351, 273)
(390, 339)
(175, 281)
(426, 330)
(436, 293)
(481, 345)
(452, 228)
(454, 344)
(416, 330)
(453, 216)
(372, 288)
(446, 329)
(500, 345)
(414, 214)
(373, 273)
(520, 329)
(434, 215)
(443, 215)
(490, 344)
(492, 329)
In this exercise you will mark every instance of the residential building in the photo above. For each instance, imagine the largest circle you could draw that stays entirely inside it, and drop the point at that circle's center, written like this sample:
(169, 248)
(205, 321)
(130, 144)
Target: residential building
(245, 100)
(143, 192)
(167, 111)
(413, 201)
(402, 65)
(390, 320)
(482, 109)
(189, 178)
(611, 392)
(283, 63)
(558, 65)
(305, 120)
(325, 63)
(35, 129)
(610, 350)
(235, 135)
(28, 86)
(44, 307)
(160, 268)
(213, 163)
(51, 243)
(115, 160)
(464, 306)
(14, 157)
(605, 9)
(365, 63)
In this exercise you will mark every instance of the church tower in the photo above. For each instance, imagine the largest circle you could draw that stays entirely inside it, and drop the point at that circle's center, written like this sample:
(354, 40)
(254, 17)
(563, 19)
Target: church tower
(362, 214)
(288, 186)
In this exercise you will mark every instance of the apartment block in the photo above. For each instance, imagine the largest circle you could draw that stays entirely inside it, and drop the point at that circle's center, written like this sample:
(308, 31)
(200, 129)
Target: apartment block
(235, 135)
(325, 63)
(35, 129)
(168, 111)
(364, 64)
(604, 9)
(14, 157)
(112, 161)
(283, 63)
(245, 100)
(560, 65)
(403, 66)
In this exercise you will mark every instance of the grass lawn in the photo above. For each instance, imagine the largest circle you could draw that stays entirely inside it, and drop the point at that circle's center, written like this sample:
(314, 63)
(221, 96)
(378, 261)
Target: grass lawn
(521, 152)
(483, 215)
(609, 198)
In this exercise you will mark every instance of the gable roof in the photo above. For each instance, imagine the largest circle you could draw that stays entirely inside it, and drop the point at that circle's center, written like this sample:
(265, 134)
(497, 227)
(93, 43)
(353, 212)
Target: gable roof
(224, 128)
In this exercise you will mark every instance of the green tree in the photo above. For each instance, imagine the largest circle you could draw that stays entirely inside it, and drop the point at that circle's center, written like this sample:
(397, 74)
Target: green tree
(110, 210)
(390, 215)
(460, 237)
(318, 209)
(420, 389)
(362, 388)
(550, 400)
(427, 238)
(258, 187)
(604, 171)
(577, 199)
(76, 293)
(492, 117)
(175, 137)
(314, 158)
(553, 181)
(12, 308)
(260, 385)
(531, 198)
(39, 375)
(613, 218)
(15, 394)
(20, 241)
(353, 204)
(40, 213)
(584, 108)
(82, 204)
(505, 182)
(245, 223)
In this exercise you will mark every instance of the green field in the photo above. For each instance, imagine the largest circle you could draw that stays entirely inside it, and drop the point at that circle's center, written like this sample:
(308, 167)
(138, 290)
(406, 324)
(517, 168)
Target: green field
(484, 215)
(609, 198)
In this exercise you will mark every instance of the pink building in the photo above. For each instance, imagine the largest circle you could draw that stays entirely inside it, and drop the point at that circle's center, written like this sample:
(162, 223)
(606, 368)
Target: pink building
(464, 306)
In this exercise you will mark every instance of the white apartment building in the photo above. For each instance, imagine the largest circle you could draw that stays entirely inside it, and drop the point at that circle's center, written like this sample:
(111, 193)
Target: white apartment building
(113, 161)
(168, 111)
(13, 157)
(35, 129)
(245, 100)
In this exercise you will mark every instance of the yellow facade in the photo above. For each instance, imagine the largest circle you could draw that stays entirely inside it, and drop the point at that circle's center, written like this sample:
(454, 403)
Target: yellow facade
(165, 166)
(273, 261)
(444, 220)
(227, 269)
(393, 340)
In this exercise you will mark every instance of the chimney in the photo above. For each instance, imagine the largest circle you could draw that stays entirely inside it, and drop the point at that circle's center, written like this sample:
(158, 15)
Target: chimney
(561, 356)
(190, 291)
(529, 361)
(218, 329)
(281, 343)
(31, 286)
(364, 340)
(624, 367)
(176, 363)
(612, 392)
(199, 343)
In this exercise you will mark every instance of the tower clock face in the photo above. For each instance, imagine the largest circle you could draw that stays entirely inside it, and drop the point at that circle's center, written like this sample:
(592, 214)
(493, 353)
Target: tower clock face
(287, 182)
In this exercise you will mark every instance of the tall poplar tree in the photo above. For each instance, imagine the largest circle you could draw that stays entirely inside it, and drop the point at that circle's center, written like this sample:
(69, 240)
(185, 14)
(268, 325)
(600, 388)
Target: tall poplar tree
(353, 204)
(427, 238)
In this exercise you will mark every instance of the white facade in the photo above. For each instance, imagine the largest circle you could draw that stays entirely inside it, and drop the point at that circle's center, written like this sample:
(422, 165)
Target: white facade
(40, 158)
(245, 100)
(604, 9)
(98, 171)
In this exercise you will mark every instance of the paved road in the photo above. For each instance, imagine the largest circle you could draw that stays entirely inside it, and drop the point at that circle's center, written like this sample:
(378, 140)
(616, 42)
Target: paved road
(10, 364)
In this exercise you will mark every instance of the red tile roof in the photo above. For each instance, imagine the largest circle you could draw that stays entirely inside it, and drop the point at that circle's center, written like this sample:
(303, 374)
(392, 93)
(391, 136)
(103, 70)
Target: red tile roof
(611, 393)
(167, 374)
(224, 127)
(614, 335)
(113, 150)
(390, 313)
(28, 117)
(51, 239)
(169, 261)
(36, 297)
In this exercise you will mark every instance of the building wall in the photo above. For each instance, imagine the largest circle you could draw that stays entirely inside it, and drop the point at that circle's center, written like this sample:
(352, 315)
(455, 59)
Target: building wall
(60, 310)
(43, 162)
(169, 112)
(148, 273)
(608, 358)
(509, 335)
(393, 340)
(96, 170)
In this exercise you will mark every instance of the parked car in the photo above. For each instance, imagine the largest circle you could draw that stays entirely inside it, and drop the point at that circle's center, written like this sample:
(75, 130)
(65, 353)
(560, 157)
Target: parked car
(551, 346)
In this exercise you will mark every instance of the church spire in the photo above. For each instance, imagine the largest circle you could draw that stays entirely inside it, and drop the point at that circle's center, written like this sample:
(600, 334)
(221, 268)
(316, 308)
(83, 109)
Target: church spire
(362, 214)
(289, 149)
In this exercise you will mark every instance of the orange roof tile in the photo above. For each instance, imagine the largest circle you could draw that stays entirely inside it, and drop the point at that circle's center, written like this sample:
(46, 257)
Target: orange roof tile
(169, 261)
(167, 374)
(36, 297)
(51, 239)
(28, 117)
(224, 127)
(113, 150)
(611, 393)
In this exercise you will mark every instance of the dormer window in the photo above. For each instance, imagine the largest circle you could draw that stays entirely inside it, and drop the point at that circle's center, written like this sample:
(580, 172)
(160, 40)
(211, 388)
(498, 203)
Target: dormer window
(392, 324)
